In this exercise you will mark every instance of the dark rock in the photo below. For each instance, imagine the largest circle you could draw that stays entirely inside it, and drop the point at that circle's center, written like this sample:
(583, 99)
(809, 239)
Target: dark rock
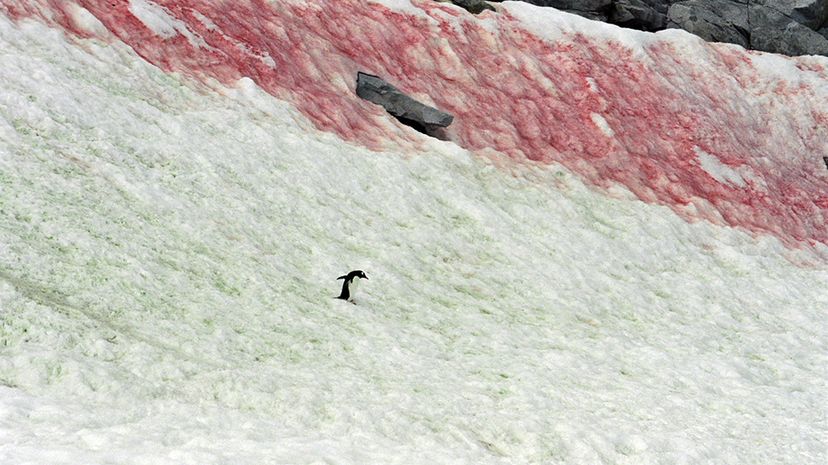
(810, 13)
(573, 5)
(824, 32)
(825, 159)
(772, 31)
(637, 14)
(593, 15)
(596, 10)
(408, 111)
(712, 20)
(473, 6)
(660, 6)
(753, 25)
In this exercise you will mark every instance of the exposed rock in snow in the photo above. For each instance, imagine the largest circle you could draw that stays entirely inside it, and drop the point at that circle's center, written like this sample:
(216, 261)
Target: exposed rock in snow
(408, 111)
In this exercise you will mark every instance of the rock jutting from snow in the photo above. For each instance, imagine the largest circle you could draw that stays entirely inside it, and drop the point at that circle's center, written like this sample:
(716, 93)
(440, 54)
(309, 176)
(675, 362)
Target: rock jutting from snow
(408, 111)
(791, 27)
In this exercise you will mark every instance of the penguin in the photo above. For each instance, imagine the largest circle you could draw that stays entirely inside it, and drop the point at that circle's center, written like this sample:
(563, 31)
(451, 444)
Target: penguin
(351, 281)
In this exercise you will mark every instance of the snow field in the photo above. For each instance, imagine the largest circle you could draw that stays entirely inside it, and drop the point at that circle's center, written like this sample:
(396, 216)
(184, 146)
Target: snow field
(168, 261)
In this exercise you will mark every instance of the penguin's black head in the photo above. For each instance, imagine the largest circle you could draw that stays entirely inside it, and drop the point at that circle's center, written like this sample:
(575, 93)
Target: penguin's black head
(354, 274)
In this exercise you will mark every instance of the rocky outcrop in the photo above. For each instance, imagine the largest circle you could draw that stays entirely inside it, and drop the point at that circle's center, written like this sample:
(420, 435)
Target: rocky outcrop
(809, 13)
(781, 26)
(712, 20)
(408, 111)
(638, 14)
(792, 27)
(774, 31)
(574, 5)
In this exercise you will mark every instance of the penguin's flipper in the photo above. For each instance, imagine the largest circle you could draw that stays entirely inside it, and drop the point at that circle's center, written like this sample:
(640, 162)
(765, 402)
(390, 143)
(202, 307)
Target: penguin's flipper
(342, 277)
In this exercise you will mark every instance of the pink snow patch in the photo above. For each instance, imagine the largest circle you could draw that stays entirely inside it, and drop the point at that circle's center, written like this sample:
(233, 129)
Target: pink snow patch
(709, 135)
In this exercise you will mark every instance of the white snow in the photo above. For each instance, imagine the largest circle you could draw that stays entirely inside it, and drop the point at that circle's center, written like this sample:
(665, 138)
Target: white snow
(168, 262)
(160, 22)
(86, 21)
(602, 124)
(403, 6)
(593, 85)
(718, 170)
(264, 57)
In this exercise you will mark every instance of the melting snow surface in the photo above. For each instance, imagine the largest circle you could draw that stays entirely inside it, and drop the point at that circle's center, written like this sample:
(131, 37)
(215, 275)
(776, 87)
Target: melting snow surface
(168, 256)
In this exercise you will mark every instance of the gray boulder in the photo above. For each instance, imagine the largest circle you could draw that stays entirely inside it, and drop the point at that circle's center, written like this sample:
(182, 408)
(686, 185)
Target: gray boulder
(810, 13)
(660, 6)
(712, 20)
(637, 14)
(772, 31)
(408, 111)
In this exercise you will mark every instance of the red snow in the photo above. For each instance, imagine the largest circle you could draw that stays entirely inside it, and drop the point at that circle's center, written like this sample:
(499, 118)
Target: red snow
(520, 94)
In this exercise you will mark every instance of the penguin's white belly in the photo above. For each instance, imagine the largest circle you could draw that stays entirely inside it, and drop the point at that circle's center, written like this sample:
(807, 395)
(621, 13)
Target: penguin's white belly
(354, 285)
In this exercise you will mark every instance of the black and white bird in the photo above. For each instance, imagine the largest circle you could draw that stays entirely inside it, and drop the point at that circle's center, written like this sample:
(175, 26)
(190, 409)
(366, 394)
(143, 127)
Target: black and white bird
(351, 281)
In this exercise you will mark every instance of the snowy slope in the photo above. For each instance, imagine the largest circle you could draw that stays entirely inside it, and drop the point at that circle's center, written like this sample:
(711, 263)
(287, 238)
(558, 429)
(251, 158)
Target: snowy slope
(647, 111)
(174, 221)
